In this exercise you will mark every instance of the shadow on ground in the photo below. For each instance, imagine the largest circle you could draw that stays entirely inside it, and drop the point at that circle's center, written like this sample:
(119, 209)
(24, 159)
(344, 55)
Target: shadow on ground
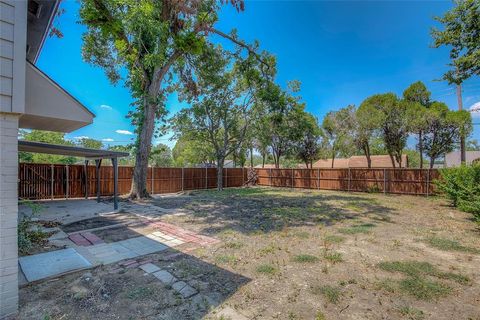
(265, 209)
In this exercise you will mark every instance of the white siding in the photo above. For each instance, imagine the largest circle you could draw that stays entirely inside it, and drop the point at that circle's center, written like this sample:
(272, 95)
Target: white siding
(13, 27)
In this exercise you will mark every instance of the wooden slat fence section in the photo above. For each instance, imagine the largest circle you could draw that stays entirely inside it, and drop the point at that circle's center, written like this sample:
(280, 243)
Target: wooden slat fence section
(70, 181)
(398, 181)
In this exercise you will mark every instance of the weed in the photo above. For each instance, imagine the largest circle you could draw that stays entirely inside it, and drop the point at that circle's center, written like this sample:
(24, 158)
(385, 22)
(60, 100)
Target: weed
(361, 228)
(230, 259)
(267, 269)
(424, 289)
(271, 248)
(305, 258)
(334, 239)
(320, 316)
(411, 313)
(349, 281)
(449, 245)
(333, 257)
(332, 294)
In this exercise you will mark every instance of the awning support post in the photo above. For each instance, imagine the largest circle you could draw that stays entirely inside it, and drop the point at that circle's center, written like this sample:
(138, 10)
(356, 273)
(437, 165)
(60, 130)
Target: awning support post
(115, 183)
(98, 163)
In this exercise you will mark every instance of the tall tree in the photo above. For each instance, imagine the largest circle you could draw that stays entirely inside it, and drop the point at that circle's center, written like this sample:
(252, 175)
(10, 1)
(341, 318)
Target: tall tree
(283, 110)
(337, 127)
(391, 115)
(189, 152)
(309, 145)
(90, 143)
(418, 97)
(154, 41)
(461, 32)
(220, 110)
(365, 130)
(444, 130)
(161, 156)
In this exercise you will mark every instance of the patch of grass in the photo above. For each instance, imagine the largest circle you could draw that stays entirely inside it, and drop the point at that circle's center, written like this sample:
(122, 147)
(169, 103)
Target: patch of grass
(301, 234)
(334, 239)
(411, 313)
(387, 285)
(305, 258)
(271, 248)
(449, 245)
(333, 257)
(140, 293)
(361, 228)
(225, 258)
(267, 269)
(418, 269)
(320, 316)
(332, 294)
(424, 289)
(233, 245)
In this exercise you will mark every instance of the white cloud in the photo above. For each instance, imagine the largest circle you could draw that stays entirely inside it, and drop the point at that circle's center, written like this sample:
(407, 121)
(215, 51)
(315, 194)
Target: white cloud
(475, 109)
(107, 140)
(81, 137)
(104, 106)
(124, 132)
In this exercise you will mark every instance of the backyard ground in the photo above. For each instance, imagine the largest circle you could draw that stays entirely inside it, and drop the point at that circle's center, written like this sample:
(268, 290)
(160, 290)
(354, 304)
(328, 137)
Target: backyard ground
(286, 254)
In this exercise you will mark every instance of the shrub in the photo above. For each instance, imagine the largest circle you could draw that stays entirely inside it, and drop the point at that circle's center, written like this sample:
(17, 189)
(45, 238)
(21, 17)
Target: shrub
(28, 232)
(462, 186)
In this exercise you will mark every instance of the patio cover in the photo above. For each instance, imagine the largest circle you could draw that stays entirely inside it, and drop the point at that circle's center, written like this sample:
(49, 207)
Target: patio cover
(88, 154)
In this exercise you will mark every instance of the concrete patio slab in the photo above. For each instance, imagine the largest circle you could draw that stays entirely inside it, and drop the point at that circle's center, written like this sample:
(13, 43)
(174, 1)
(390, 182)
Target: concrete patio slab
(53, 263)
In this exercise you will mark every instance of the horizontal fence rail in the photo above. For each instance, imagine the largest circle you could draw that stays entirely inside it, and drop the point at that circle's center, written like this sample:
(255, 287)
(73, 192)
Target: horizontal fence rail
(398, 181)
(56, 181)
(47, 181)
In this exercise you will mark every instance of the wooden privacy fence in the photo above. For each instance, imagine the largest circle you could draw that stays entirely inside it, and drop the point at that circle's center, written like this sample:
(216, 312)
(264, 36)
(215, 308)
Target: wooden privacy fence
(400, 181)
(47, 181)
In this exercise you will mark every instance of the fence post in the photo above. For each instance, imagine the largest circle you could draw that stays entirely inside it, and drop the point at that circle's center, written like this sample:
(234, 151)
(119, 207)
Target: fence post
(206, 177)
(151, 182)
(226, 177)
(243, 176)
(51, 180)
(68, 181)
(292, 178)
(183, 177)
(349, 179)
(318, 179)
(428, 181)
(86, 179)
(384, 181)
(270, 177)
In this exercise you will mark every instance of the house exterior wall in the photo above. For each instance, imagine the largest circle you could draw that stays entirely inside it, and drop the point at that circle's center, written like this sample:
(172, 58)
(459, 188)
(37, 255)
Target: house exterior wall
(452, 159)
(13, 41)
(8, 214)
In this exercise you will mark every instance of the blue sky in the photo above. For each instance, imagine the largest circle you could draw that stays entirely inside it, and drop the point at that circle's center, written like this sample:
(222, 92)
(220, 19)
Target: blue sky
(341, 51)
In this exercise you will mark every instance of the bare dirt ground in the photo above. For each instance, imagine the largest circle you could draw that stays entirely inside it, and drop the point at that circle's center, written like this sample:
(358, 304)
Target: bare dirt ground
(290, 254)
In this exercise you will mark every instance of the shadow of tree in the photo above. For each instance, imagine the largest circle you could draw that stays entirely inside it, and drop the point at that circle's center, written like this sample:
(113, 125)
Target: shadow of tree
(269, 209)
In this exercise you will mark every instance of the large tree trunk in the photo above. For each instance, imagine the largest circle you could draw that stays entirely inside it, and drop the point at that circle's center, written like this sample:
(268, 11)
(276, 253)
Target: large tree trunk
(366, 149)
(220, 161)
(420, 148)
(263, 160)
(333, 159)
(144, 144)
(393, 159)
(432, 162)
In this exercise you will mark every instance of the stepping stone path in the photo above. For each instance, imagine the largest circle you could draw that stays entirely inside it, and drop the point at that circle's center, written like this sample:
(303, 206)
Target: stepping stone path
(183, 288)
(85, 239)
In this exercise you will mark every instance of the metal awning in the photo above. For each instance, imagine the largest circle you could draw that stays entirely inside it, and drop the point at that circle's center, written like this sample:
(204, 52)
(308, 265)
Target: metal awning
(88, 154)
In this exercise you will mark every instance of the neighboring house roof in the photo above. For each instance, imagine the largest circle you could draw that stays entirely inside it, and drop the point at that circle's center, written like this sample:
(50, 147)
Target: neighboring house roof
(452, 159)
(378, 161)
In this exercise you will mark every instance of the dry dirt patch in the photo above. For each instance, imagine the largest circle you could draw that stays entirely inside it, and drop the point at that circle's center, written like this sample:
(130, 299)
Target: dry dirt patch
(303, 254)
